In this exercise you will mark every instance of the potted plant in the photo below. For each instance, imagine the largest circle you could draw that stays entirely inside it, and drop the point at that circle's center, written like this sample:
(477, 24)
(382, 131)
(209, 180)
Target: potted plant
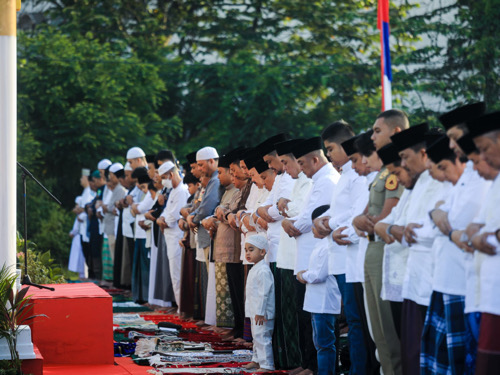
(15, 310)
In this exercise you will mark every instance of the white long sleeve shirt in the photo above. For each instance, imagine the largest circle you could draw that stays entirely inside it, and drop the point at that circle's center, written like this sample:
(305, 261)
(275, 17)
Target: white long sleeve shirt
(259, 292)
(417, 285)
(359, 274)
(87, 196)
(395, 254)
(462, 204)
(482, 295)
(288, 245)
(322, 292)
(282, 188)
(324, 182)
(140, 233)
(343, 208)
(176, 200)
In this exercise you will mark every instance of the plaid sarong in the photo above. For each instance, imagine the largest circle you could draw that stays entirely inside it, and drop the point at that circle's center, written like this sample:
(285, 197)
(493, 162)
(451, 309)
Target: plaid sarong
(445, 336)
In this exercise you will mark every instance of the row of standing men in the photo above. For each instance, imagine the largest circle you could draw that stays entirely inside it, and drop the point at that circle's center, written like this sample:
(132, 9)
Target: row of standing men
(411, 230)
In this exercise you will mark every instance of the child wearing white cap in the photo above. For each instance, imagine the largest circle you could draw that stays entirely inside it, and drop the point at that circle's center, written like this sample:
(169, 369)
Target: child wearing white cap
(259, 303)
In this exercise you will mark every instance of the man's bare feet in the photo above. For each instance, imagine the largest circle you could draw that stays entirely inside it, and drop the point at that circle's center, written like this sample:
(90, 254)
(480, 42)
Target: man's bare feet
(251, 365)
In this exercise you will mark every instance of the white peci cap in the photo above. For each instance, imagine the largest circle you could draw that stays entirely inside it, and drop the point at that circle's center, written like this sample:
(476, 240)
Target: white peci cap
(116, 167)
(207, 153)
(104, 163)
(135, 152)
(165, 167)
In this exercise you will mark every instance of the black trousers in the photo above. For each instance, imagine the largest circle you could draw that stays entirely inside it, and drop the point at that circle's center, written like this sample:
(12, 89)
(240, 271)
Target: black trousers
(396, 309)
(86, 251)
(117, 264)
(95, 267)
(236, 281)
(372, 365)
(307, 349)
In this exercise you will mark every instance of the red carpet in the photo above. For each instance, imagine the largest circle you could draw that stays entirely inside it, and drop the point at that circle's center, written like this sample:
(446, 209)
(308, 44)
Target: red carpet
(125, 367)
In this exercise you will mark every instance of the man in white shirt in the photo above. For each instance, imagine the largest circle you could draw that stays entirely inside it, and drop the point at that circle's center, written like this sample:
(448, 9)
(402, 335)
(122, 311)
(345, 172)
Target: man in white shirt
(282, 188)
(462, 202)
(391, 231)
(168, 222)
(286, 336)
(416, 292)
(349, 190)
(315, 165)
(484, 237)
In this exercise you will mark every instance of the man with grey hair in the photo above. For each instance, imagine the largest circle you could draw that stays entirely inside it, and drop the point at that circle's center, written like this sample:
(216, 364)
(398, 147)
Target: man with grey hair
(207, 159)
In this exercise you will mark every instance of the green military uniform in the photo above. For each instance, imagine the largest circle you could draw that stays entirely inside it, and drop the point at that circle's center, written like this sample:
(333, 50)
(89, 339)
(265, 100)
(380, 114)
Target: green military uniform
(383, 187)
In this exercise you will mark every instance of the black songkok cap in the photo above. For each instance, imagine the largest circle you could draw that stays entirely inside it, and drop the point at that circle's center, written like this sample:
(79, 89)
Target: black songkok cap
(307, 146)
(139, 171)
(165, 155)
(433, 135)
(286, 147)
(191, 158)
(251, 157)
(467, 145)
(119, 173)
(267, 146)
(484, 124)
(364, 143)
(189, 178)
(318, 211)
(389, 154)
(234, 155)
(348, 146)
(261, 166)
(223, 162)
(440, 150)
(150, 158)
(410, 137)
(462, 115)
(143, 179)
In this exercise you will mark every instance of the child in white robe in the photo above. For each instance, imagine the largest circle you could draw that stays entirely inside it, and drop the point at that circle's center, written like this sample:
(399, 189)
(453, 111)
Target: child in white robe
(259, 303)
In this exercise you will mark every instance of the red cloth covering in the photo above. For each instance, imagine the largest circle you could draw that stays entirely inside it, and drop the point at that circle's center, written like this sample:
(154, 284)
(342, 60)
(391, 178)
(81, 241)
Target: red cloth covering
(78, 328)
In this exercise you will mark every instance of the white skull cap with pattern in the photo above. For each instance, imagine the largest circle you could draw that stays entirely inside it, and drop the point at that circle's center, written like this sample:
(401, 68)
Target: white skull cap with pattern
(258, 241)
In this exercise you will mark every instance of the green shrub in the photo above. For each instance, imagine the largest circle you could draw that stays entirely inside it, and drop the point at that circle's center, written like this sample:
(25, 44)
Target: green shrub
(42, 269)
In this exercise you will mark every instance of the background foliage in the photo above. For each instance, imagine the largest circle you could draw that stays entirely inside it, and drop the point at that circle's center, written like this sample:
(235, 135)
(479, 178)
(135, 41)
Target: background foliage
(99, 76)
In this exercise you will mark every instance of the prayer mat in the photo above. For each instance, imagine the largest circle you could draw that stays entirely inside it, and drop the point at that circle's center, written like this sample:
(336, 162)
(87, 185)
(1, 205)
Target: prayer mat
(129, 306)
(224, 307)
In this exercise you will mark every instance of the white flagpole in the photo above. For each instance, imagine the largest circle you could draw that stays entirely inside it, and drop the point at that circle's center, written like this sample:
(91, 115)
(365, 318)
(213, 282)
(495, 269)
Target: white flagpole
(8, 132)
